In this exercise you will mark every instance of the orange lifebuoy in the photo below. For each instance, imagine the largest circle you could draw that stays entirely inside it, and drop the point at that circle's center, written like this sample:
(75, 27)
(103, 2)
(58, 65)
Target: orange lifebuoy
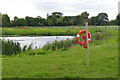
(84, 38)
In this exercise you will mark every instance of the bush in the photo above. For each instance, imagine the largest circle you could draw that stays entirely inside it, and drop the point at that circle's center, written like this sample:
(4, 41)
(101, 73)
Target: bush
(9, 47)
(64, 45)
(47, 46)
(31, 52)
(40, 51)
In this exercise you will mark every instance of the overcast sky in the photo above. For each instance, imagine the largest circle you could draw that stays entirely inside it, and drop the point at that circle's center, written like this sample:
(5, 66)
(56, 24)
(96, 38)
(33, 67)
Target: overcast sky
(34, 8)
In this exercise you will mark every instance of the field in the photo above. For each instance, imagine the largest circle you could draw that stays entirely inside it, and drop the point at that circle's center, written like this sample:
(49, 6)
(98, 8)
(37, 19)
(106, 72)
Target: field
(51, 31)
(71, 63)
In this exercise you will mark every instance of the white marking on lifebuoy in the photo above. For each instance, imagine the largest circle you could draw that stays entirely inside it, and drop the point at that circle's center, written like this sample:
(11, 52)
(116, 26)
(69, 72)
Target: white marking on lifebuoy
(89, 39)
(78, 35)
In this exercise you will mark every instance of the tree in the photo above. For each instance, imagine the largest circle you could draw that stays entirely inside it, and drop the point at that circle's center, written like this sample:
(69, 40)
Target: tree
(30, 21)
(44, 21)
(47, 15)
(113, 22)
(57, 14)
(39, 21)
(12, 23)
(84, 17)
(78, 20)
(57, 19)
(67, 18)
(18, 22)
(15, 22)
(5, 20)
(102, 19)
(93, 20)
(118, 19)
(71, 22)
(40, 24)
(52, 21)
(60, 22)
(22, 22)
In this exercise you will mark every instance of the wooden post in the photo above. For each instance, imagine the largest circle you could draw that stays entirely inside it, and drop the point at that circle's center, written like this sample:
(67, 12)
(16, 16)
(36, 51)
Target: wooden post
(87, 43)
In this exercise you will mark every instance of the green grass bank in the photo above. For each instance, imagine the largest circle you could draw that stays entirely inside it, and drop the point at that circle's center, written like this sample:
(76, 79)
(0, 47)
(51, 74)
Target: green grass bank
(49, 31)
(70, 63)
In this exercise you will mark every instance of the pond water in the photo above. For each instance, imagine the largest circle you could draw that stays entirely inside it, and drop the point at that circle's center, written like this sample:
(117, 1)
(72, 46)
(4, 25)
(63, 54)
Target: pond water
(38, 41)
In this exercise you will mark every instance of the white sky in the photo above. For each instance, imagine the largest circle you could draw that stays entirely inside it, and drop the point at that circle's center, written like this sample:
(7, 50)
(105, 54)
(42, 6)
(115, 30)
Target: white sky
(34, 8)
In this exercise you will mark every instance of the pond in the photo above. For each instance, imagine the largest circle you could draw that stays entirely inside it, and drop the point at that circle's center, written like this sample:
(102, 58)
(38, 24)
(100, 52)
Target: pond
(38, 41)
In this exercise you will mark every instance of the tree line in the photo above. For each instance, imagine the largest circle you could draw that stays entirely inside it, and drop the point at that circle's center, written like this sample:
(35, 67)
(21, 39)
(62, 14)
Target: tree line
(57, 19)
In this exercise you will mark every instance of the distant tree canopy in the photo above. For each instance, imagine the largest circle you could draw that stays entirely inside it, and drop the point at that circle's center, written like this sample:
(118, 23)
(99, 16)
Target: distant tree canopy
(118, 19)
(57, 19)
(102, 19)
(5, 20)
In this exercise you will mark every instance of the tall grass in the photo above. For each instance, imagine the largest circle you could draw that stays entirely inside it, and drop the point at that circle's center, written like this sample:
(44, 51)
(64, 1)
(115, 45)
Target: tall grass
(63, 45)
(9, 47)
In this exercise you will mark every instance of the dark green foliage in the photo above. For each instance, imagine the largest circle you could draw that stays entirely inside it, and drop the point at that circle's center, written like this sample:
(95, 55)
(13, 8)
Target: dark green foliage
(5, 20)
(57, 19)
(47, 46)
(10, 47)
(35, 52)
(102, 19)
(32, 52)
(53, 46)
(113, 22)
(93, 20)
(18, 22)
(57, 14)
(52, 21)
(57, 44)
(24, 48)
(22, 22)
(30, 47)
(63, 45)
(118, 19)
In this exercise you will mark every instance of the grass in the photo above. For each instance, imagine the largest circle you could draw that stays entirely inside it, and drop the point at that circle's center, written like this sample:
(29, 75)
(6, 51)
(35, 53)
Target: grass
(35, 31)
(71, 63)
